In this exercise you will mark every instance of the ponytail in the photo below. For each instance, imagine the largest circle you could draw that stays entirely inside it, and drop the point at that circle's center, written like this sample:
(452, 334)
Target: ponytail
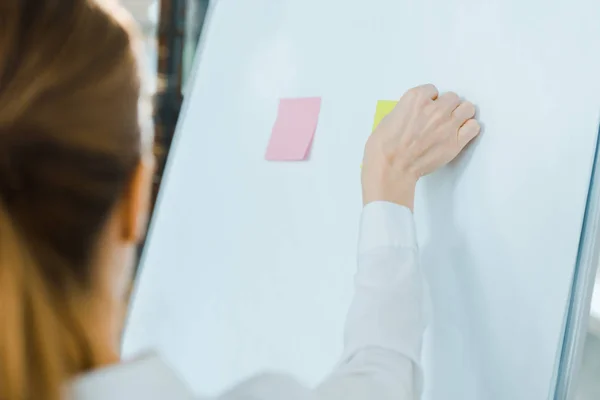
(69, 143)
(13, 357)
(39, 351)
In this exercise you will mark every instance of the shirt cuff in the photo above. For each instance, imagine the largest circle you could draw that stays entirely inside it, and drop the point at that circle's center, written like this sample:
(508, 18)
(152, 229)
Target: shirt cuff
(385, 224)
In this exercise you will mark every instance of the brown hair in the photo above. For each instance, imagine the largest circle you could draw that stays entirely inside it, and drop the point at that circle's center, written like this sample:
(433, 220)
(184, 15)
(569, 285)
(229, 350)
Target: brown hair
(70, 141)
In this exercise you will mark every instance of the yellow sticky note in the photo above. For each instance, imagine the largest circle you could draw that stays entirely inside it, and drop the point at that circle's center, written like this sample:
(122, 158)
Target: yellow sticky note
(384, 107)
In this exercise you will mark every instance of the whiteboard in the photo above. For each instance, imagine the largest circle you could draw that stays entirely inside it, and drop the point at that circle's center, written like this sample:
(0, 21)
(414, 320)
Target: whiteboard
(249, 263)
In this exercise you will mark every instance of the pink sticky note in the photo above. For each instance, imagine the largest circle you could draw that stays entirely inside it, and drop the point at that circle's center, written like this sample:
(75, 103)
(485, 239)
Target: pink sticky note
(294, 129)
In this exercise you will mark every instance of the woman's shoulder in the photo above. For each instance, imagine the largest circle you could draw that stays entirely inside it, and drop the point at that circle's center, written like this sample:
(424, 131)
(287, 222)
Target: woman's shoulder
(150, 378)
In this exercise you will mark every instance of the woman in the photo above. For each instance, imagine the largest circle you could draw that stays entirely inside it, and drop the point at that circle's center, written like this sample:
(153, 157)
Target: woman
(75, 177)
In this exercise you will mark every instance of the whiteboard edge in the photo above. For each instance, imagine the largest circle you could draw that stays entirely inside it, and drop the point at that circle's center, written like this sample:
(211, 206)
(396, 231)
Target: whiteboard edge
(578, 311)
(175, 141)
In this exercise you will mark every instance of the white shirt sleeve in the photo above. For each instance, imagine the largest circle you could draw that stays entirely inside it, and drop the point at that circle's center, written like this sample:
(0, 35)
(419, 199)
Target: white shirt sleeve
(382, 341)
(386, 321)
(384, 327)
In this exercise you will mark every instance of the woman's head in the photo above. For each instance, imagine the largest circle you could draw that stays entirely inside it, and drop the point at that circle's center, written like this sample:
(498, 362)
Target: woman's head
(75, 172)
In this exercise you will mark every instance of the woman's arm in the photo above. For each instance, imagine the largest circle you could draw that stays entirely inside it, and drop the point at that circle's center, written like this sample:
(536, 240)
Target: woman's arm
(386, 320)
(385, 325)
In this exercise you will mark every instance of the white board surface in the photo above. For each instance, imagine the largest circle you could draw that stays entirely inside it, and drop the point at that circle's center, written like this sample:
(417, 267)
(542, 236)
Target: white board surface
(249, 263)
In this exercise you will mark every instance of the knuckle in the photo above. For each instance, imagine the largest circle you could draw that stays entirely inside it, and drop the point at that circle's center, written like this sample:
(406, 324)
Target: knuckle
(451, 98)
(468, 105)
(469, 108)
(472, 124)
(429, 88)
(465, 111)
(421, 95)
(469, 130)
(414, 93)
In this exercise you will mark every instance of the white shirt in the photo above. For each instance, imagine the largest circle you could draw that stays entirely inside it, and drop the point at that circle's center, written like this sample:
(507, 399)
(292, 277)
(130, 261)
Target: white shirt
(382, 343)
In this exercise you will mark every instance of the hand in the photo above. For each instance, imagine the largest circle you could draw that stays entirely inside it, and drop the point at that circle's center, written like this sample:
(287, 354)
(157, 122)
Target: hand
(423, 133)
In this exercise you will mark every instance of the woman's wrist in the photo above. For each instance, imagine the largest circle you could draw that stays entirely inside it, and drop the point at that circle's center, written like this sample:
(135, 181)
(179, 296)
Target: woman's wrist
(386, 186)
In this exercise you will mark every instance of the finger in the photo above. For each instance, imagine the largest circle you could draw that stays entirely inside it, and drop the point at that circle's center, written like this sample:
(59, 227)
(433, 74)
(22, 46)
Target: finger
(468, 132)
(448, 101)
(430, 91)
(464, 112)
(427, 91)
